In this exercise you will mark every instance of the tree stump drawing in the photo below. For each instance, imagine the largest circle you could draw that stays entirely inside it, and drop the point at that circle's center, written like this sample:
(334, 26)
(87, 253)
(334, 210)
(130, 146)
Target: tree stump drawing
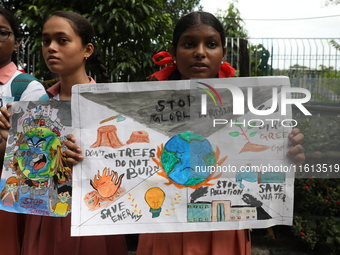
(107, 136)
(139, 137)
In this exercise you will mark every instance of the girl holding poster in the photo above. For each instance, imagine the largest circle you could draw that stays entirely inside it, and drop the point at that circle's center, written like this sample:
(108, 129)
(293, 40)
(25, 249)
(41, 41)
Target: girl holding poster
(68, 45)
(199, 51)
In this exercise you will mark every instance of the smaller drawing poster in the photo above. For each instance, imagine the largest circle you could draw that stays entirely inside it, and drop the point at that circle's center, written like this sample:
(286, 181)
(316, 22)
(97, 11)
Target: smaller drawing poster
(35, 178)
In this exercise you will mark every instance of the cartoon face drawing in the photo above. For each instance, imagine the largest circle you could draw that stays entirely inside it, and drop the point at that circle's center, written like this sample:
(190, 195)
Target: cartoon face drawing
(36, 154)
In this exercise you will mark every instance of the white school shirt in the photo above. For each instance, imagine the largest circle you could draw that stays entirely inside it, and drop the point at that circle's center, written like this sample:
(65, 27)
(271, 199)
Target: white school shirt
(33, 92)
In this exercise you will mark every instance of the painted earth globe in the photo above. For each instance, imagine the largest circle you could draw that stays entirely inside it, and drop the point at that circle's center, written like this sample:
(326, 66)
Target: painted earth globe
(187, 158)
(37, 152)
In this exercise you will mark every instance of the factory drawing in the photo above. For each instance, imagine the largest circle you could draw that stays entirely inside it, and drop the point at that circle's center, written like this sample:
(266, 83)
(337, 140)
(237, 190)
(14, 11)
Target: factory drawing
(42, 118)
(219, 210)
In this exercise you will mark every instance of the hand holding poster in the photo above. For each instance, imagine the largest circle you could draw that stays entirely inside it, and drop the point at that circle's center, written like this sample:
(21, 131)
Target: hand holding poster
(5, 100)
(163, 157)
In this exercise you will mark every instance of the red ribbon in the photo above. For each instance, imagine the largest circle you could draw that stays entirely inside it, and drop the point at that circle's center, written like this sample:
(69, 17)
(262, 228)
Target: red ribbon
(165, 72)
(226, 70)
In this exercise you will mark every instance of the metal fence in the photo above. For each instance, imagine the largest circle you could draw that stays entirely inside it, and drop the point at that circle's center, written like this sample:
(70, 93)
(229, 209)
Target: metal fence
(277, 56)
(310, 63)
(25, 59)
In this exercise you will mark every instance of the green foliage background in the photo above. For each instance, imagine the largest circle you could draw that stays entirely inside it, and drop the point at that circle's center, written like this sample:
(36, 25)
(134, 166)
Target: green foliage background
(128, 32)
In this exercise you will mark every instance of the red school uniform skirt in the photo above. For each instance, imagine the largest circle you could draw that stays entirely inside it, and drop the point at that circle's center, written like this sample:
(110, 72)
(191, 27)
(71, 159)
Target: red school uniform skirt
(231, 242)
(51, 235)
(11, 234)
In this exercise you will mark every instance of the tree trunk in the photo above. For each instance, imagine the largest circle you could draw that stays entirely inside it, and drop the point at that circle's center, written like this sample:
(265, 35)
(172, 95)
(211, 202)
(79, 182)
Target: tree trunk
(244, 58)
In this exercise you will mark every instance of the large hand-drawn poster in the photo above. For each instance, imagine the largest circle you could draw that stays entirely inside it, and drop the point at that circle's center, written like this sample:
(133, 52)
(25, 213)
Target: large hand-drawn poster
(35, 178)
(179, 156)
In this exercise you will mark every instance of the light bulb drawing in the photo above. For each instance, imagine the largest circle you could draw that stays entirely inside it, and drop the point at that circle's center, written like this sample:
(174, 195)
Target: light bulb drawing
(154, 197)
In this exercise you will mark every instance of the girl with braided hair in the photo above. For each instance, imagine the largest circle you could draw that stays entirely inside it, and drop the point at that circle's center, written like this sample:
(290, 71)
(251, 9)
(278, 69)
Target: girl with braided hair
(199, 51)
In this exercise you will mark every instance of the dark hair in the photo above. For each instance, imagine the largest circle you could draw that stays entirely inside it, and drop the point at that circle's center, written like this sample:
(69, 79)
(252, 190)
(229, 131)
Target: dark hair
(190, 20)
(85, 30)
(65, 188)
(14, 26)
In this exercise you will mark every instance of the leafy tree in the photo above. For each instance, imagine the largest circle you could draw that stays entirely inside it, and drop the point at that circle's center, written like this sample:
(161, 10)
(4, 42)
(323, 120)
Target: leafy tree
(128, 32)
(298, 66)
(259, 60)
(232, 22)
(330, 79)
(335, 44)
(234, 29)
(178, 8)
(329, 72)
